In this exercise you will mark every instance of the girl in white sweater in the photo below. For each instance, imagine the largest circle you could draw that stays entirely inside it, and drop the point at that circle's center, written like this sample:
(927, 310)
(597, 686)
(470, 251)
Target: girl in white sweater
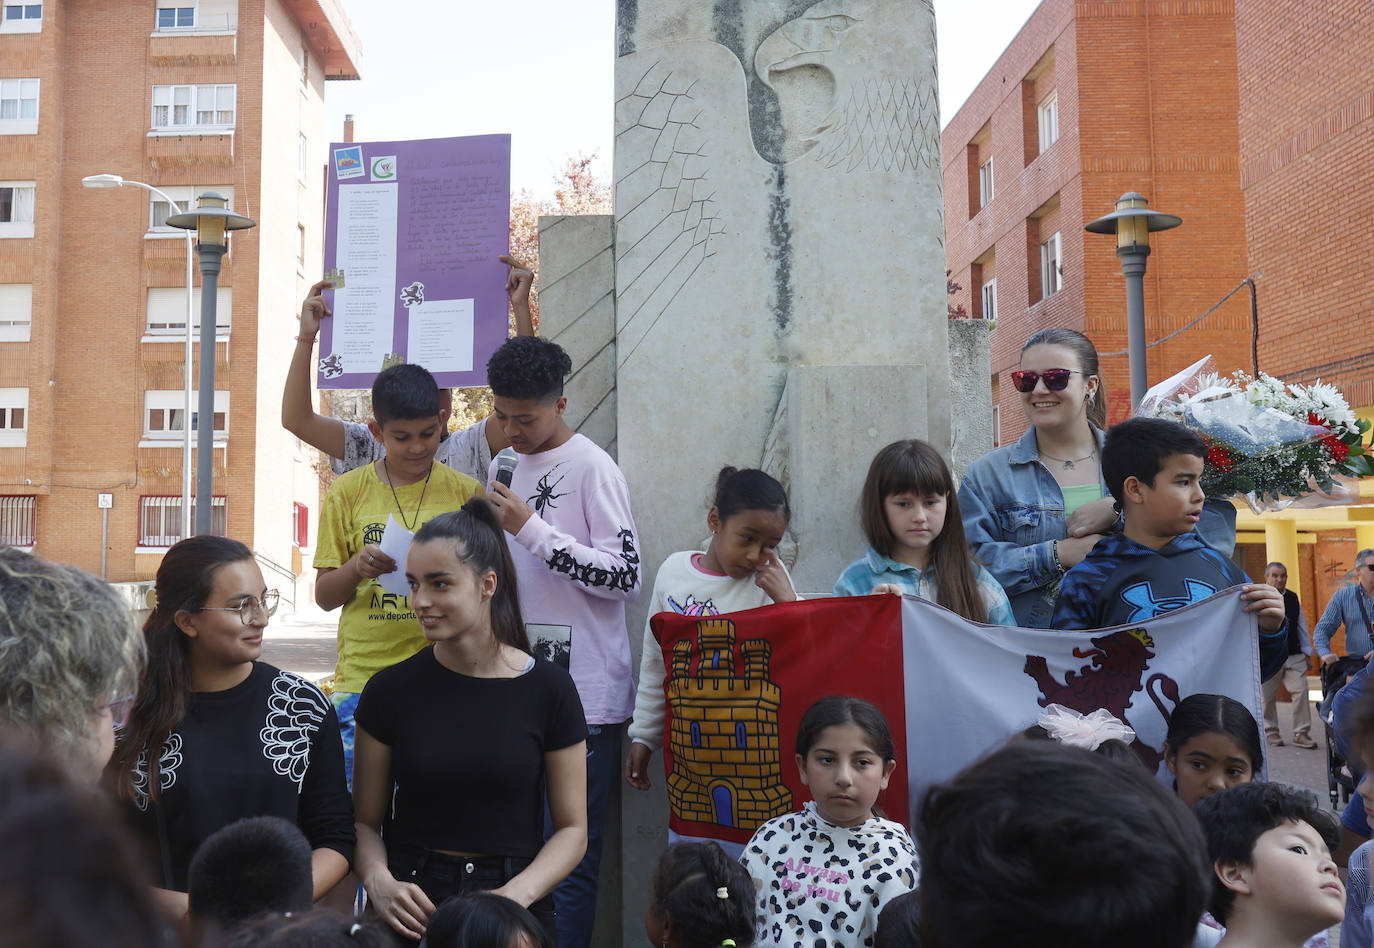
(739, 570)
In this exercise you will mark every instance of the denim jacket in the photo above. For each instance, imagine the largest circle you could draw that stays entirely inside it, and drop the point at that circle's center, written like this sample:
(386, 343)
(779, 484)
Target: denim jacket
(1013, 511)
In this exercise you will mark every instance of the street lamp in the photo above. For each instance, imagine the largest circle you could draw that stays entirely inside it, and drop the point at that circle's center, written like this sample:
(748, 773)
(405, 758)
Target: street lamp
(211, 221)
(115, 181)
(1132, 222)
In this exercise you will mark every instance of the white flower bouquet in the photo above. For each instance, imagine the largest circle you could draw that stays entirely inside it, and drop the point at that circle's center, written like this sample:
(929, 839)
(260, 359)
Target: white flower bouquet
(1268, 442)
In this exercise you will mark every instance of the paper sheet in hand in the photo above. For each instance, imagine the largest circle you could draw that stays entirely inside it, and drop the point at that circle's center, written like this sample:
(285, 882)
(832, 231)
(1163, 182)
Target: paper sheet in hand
(395, 544)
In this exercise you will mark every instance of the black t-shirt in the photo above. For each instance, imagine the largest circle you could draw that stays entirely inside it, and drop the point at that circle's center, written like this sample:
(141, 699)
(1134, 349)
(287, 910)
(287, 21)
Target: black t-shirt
(269, 746)
(467, 754)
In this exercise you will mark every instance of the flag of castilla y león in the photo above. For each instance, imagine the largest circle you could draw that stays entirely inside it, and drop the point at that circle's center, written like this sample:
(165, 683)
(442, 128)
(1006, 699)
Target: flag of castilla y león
(952, 690)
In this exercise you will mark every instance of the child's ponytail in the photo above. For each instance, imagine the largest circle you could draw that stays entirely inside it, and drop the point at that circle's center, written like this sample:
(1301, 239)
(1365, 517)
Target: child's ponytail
(481, 543)
(708, 896)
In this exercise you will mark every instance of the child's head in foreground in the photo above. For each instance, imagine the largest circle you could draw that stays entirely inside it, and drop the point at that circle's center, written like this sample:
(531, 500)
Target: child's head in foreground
(1270, 847)
(526, 377)
(1153, 468)
(406, 418)
(255, 865)
(701, 899)
(484, 920)
(1213, 743)
(1043, 844)
(846, 757)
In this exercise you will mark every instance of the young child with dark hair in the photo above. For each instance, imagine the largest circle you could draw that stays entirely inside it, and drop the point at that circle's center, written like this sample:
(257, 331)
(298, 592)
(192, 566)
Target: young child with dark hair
(821, 876)
(701, 899)
(899, 923)
(377, 628)
(254, 865)
(916, 542)
(1044, 844)
(739, 570)
(1213, 743)
(317, 928)
(1356, 724)
(484, 920)
(1274, 883)
(576, 554)
(1158, 563)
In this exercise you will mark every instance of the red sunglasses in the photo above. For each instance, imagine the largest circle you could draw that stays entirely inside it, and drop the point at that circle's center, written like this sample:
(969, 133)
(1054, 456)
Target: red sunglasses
(1056, 380)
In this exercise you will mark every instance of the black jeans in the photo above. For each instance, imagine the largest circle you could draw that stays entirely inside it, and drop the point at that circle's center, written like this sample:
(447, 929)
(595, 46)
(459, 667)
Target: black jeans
(442, 875)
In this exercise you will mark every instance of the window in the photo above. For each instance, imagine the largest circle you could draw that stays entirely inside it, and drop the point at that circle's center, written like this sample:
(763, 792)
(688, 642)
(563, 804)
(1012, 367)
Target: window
(985, 183)
(175, 17)
(21, 18)
(996, 426)
(741, 736)
(159, 519)
(14, 411)
(177, 107)
(989, 297)
(300, 250)
(1049, 121)
(18, 106)
(17, 208)
(301, 162)
(300, 524)
(305, 65)
(185, 196)
(164, 413)
(18, 521)
(1051, 267)
(166, 315)
(16, 311)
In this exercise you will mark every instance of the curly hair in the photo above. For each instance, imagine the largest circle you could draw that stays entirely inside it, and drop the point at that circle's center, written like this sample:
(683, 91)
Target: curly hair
(68, 647)
(528, 367)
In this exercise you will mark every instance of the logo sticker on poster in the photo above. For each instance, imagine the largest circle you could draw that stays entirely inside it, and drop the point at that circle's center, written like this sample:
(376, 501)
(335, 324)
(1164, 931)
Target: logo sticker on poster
(348, 162)
(384, 168)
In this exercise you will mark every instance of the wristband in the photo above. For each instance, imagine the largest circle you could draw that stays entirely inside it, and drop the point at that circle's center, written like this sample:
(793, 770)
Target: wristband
(310, 340)
(1054, 554)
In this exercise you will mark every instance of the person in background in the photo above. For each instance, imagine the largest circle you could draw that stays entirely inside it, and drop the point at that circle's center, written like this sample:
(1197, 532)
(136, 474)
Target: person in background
(70, 657)
(1293, 676)
(1353, 607)
(254, 865)
(350, 445)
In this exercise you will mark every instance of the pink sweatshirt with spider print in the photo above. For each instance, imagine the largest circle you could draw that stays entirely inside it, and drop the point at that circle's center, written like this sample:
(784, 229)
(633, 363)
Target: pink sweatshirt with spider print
(577, 564)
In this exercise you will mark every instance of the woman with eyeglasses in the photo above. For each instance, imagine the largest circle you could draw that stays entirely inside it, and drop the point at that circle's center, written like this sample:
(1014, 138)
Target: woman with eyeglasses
(215, 735)
(1033, 509)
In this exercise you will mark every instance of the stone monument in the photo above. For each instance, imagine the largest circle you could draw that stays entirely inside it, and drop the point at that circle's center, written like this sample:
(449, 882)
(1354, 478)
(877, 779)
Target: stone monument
(769, 292)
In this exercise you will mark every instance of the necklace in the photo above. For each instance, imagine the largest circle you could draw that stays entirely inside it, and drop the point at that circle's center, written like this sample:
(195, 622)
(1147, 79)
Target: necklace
(418, 504)
(1070, 463)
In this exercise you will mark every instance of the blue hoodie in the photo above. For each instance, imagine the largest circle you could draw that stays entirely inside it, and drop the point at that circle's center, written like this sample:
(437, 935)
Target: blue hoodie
(1122, 582)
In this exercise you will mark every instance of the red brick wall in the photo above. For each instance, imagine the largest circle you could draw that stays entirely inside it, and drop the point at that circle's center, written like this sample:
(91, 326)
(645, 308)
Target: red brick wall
(1147, 102)
(1306, 140)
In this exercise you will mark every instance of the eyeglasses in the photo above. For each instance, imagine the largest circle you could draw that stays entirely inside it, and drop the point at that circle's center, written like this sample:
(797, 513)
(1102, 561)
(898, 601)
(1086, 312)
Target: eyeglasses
(119, 710)
(1056, 380)
(268, 605)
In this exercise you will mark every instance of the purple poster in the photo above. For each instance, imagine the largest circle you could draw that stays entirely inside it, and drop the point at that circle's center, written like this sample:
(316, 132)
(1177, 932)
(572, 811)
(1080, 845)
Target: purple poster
(412, 235)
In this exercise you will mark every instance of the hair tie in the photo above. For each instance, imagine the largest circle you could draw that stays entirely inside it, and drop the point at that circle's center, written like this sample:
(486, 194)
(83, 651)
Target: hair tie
(723, 893)
(1087, 731)
(728, 943)
(354, 929)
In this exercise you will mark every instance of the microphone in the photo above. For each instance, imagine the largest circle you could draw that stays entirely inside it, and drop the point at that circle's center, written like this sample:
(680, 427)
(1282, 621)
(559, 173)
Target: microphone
(505, 465)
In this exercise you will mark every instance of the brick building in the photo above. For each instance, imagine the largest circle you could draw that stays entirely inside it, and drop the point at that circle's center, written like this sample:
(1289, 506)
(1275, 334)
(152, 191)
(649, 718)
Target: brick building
(1091, 100)
(187, 96)
(1243, 117)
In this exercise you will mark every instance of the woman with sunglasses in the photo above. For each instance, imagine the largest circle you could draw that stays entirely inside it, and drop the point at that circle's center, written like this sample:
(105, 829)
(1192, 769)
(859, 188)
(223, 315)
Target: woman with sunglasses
(215, 735)
(1033, 509)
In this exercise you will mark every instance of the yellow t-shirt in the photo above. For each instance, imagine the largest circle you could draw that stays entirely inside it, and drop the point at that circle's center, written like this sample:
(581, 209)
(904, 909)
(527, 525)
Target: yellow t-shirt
(378, 629)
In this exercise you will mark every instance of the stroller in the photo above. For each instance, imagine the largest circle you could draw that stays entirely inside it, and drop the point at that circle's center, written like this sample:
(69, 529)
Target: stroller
(1340, 781)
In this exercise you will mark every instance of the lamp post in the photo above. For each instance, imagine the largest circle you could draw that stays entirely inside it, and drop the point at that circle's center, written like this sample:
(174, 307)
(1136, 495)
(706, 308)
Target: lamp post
(211, 221)
(1132, 222)
(115, 181)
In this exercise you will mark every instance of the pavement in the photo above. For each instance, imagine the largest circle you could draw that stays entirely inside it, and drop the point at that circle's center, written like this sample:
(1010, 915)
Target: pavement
(302, 642)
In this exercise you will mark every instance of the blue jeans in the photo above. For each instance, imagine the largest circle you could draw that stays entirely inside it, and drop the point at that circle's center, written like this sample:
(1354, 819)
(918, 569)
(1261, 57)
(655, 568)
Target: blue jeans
(575, 897)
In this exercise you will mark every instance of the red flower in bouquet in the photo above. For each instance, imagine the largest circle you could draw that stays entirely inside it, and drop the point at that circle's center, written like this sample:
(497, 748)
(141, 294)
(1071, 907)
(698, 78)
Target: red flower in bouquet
(1219, 458)
(1337, 448)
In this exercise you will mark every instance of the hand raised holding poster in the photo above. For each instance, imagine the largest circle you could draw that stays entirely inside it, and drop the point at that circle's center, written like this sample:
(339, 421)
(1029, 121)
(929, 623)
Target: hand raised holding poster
(416, 229)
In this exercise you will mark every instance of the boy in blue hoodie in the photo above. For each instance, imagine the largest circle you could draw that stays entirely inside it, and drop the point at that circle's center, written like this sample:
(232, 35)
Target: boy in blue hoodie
(1157, 563)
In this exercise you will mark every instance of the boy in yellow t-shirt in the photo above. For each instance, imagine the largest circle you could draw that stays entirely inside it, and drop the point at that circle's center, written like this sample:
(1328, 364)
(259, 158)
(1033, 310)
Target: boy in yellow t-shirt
(378, 628)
